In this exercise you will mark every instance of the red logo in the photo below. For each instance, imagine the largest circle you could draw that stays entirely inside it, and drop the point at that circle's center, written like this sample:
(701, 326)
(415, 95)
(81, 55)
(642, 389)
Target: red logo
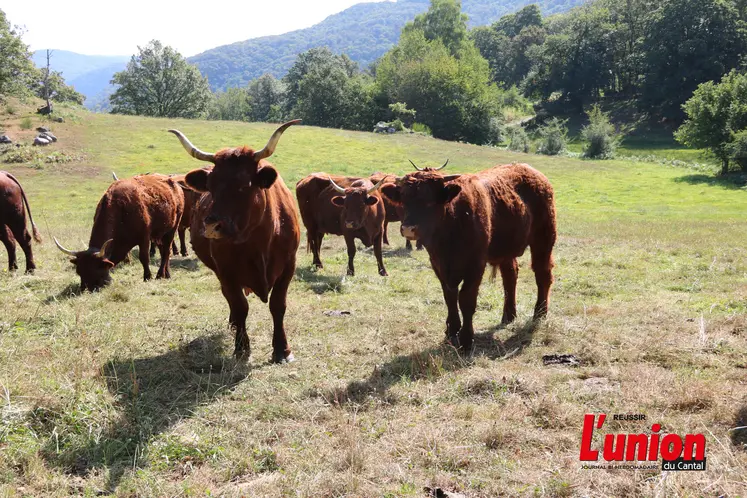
(676, 452)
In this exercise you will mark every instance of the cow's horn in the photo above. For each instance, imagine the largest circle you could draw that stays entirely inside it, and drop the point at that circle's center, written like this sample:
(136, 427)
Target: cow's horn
(104, 248)
(268, 149)
(377, 186)
(336, 186)
(59, 246)
(191, 149)
(114, 175)
(451, 178)
(416, 166)
(442, 167)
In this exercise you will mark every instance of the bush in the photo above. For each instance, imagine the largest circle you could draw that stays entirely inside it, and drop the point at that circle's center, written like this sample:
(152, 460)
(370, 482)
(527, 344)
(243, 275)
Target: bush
(402, 113)
(398, 125)
(518, 140)
(737, 149)
(599, 134)
(421, 128)
(10, 109)
(26, 123)
(496, 131)
(553, 137)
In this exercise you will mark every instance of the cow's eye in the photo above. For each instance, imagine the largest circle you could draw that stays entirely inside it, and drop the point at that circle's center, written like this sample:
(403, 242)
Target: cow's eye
(245, 188)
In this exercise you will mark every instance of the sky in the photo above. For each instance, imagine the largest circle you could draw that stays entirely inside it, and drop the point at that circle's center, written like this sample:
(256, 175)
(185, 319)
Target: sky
(102, 27)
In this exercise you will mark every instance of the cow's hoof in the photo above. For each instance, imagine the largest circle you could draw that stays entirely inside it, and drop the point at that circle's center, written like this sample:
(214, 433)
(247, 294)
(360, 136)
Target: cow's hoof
(30, 271)
(351, 273)
(281, 358)
(147, 277)
(453, 339)
(185, 254)
(383, 273)
(242, 355)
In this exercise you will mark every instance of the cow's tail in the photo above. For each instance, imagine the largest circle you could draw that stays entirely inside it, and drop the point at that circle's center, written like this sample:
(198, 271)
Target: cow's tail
(308, 243)
(34, 230)
(493, 273)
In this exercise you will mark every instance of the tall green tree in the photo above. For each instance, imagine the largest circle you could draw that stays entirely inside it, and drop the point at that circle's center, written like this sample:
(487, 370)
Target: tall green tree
(443, 21)
(266, 94)
(17, 70)
(158, 81)
(689, 42)
(232, 105)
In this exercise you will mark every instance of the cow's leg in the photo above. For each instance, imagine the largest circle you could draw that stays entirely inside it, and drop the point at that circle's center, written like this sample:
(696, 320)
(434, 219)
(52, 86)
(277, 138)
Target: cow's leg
(183, 241)
(386, 230)
(377, 252)
(144, 257)
(281, 352)
(10, 245)
(23, 238)
(468, 305)
(237, 317)
(542, 264)
(164, 271)
(509, 275)
(174, 249)
(350, 241)
(453, 323)
(419, 245)
(408, 245)
(315, 240)
(152, 250)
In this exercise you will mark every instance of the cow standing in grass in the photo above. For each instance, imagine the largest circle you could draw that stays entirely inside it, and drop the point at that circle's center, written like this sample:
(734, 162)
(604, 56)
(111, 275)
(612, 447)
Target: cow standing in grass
(13, 221)
(468, 221)
(132, 212)
(347, 206)
(245, 228)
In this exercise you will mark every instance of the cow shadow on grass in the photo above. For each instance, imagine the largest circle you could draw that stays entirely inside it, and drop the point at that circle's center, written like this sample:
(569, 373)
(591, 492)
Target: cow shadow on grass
(317, 282)
(69, 292)
(739, 431)
(732, 181)
(429, 364)
(185, 263)
(151, 395)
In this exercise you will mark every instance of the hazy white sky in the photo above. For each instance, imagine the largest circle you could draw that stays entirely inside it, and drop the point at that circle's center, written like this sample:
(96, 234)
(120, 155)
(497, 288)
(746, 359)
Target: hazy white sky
(101, 27)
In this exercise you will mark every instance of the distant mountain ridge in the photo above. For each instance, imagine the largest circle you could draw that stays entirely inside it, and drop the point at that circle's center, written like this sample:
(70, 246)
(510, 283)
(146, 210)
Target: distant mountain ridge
(364, 32)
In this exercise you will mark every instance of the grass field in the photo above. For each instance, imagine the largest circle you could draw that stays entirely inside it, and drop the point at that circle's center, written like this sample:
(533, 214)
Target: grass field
(132, 391)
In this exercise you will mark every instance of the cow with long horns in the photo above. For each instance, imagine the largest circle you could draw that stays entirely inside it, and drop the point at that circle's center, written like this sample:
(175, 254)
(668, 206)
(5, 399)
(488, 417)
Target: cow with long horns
(13, 221)
(246, 230)
(347, 206)
(471, 220)
(132, 212)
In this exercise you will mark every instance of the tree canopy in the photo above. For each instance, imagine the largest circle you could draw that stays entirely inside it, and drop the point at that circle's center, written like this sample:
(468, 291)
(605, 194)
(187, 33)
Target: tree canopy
(17, 71)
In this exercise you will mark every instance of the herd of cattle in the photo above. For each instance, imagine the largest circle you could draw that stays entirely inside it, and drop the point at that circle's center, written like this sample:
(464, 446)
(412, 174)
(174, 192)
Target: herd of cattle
(243, 226)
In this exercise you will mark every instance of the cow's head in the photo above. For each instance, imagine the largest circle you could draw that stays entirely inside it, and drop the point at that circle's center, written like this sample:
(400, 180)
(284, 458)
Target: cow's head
(92, 265)
(355, 201)
(237, 184)
(423, 196)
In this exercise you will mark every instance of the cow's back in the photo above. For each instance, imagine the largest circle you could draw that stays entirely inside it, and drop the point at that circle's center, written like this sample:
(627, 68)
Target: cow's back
(11, 201)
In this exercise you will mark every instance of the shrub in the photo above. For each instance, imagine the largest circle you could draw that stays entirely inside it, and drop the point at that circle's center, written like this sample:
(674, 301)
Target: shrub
(421, 128)
(496, 131)
(599, 134)
(553, 137)
(402, 113)
(737, 149)
(398, 125)
(10, 109)
(26, 123)
(518, 140)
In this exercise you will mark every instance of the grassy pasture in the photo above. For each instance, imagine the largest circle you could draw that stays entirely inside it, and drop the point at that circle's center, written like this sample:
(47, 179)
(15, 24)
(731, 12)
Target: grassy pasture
(132, 391)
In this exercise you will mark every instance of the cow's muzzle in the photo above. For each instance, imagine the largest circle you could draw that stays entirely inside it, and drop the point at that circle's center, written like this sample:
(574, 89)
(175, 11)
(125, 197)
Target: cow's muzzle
(216, 228)
(409, 232)
(352, 225)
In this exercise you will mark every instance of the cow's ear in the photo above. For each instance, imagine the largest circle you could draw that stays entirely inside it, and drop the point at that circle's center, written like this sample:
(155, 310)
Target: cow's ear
(392, 192)
(266, 177)
(372, 200)
(338, 200)
(450, 191)
(197, 180)
(108, 264)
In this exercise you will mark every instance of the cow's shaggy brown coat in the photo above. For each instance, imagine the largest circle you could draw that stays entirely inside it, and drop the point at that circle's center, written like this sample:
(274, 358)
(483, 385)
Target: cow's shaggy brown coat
(468, 221)
(13, 221)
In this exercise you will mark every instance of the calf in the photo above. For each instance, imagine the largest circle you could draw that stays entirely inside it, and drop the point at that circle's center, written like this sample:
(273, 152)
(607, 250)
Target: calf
(13, 221)
(132, 212)
(246, 230)
(468, 221)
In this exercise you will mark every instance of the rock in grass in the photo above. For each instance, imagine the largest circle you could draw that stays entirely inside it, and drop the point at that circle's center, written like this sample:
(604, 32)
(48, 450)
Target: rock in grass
(5, 139)
(48, 135)
(43, 129)
(59, 119)
(41, 141)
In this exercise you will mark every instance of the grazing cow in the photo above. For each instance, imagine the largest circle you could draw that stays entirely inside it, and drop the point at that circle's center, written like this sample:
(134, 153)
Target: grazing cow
(245, 228)
(393, 211)
(471, 220)
(132, 212)
(13, 221)
(346, 206)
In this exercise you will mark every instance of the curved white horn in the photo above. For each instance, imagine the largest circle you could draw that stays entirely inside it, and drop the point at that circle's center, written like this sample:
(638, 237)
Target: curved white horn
(104, 248)
(268, 149)
(377, 186)
(59, 246)
(416, 166)
(191, 149)
(336, 186)
(114, 175)
(442, 167)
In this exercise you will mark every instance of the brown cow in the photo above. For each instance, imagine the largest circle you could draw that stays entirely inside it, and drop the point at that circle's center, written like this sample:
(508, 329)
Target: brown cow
(131, 213)
(471, 220)
(246, 230)
(346, 206)
(13, 221)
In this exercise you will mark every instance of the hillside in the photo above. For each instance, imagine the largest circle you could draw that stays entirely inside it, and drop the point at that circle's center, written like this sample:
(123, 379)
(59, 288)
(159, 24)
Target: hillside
(363, 32)
(132, 391)
(89, 74)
